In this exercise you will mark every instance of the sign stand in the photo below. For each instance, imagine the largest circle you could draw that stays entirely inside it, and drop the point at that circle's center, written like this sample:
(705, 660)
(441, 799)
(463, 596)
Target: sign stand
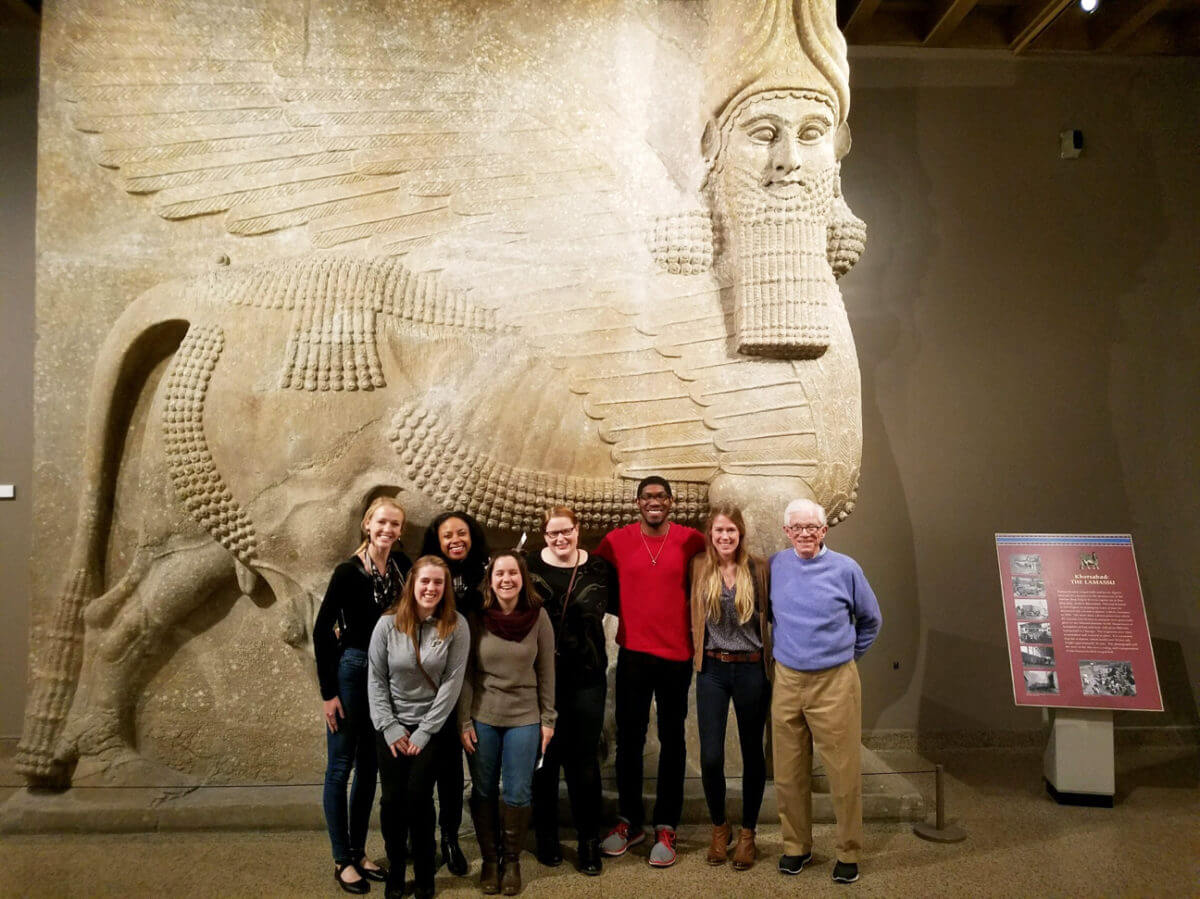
(1078, 763)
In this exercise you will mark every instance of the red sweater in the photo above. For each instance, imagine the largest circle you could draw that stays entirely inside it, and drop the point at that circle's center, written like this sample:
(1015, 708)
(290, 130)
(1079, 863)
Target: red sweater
(655, 614)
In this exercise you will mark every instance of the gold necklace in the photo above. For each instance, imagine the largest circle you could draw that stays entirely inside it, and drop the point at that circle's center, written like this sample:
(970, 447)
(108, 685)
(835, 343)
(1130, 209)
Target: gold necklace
(653, 557)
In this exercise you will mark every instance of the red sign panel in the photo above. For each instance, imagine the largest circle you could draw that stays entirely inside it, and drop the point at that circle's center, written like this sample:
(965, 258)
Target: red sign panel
(1076, 623)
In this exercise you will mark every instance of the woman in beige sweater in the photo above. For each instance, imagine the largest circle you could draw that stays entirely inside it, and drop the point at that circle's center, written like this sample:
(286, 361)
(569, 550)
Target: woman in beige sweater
(506, 714)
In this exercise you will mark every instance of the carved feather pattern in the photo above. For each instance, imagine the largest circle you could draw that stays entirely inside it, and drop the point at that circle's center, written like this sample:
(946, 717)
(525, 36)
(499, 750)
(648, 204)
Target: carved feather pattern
(389, 150)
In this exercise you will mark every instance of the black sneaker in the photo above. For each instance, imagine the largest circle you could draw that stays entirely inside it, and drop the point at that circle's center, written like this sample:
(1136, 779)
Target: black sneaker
(845, 872)
(793, 864)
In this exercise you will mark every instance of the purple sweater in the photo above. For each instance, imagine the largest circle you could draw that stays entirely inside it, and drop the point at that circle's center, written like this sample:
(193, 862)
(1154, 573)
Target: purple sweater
(824, 610)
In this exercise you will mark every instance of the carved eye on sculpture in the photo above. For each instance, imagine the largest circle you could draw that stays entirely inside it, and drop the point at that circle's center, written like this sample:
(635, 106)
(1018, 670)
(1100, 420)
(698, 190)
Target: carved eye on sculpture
(811, 132)
(762, 133)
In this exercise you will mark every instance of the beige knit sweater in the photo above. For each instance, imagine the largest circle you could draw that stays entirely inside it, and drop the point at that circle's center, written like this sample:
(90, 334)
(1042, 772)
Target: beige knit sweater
(509, 683)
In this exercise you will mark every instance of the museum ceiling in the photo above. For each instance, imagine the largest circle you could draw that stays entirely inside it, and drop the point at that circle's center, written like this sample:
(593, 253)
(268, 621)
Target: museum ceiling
(1121, 27)
(1117, 27)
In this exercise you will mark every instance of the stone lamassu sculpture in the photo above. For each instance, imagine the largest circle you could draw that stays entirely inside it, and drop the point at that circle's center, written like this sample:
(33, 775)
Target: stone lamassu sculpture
(509, 303)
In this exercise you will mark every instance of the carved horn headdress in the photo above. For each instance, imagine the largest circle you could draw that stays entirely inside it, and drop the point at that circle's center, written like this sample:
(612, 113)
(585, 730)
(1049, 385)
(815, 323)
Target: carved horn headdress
(774, 45)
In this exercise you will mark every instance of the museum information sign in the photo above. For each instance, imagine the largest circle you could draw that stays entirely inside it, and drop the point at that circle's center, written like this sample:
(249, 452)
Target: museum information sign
(1076, 623)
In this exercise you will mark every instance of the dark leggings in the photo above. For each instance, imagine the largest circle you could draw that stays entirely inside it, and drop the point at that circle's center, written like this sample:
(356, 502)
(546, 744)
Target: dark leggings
(576, 750)
(450, 780)
(746, 684)
(406, 806)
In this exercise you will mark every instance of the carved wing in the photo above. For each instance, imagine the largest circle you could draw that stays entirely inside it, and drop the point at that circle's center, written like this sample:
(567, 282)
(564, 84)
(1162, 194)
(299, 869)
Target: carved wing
(256, 111)
(506, 189)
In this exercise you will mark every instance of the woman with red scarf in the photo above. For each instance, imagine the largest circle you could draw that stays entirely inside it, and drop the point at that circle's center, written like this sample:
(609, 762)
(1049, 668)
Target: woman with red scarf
(506, 715)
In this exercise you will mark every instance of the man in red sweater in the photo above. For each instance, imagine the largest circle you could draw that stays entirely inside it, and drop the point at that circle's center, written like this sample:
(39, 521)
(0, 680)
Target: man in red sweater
(655, 661)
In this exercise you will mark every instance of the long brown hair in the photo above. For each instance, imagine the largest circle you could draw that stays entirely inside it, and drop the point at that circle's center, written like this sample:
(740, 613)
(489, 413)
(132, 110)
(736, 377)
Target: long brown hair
(405, 608)
(527, 598)
(708, 579)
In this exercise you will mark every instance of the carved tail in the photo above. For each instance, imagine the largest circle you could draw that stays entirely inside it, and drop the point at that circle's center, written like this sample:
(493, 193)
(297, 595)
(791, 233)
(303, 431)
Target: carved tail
(141, 337)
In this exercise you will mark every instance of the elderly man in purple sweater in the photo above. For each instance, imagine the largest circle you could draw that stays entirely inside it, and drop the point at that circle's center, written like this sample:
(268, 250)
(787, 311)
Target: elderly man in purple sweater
(825, 617)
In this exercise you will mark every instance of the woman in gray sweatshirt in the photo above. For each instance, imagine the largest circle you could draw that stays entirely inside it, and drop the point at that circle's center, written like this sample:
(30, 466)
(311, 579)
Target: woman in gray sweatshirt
(506, 713)
(417, 657)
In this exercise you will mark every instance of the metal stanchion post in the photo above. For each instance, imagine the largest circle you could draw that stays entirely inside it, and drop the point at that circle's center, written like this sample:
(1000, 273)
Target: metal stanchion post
(940, 832)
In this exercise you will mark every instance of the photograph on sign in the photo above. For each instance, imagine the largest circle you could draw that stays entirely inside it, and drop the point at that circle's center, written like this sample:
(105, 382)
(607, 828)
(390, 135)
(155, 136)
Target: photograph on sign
(1032, 609)
(1037, 656)
(1027, 564)
(1041, 682)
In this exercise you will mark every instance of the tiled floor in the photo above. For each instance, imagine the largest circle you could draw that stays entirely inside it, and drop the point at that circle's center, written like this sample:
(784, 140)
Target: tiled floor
(1019, 843)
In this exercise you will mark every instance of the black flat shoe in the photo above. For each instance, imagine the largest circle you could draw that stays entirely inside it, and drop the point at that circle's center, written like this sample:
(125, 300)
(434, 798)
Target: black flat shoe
(379, 875)
(358, 887)
(453, 858)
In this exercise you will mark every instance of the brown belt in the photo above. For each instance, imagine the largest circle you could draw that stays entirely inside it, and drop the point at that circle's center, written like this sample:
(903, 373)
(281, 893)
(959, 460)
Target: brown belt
(755, 656)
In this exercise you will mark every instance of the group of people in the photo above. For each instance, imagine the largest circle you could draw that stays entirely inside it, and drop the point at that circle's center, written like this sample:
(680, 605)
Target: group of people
(505, 656)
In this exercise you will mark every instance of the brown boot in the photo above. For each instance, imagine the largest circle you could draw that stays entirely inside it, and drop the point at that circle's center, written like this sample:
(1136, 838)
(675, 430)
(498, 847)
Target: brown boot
(718, 849)
(516, 825)
(486, 816)
(745, 852)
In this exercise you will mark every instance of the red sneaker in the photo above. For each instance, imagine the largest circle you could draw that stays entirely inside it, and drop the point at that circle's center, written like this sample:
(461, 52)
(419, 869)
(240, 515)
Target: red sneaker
(662, 854)
(620, 838)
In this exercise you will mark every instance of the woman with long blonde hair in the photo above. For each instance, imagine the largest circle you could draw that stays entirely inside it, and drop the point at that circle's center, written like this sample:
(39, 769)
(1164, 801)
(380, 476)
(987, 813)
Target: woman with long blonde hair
(417, 657)
(359, 591)
(732, 651)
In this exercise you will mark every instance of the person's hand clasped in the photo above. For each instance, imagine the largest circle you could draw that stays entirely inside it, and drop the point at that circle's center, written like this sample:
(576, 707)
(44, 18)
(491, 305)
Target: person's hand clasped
(403, 747)
(333, 711)
(469, 739)
(547, 736)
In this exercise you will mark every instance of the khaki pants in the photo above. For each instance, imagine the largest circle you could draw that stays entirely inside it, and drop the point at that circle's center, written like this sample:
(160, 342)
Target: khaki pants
(822, 708)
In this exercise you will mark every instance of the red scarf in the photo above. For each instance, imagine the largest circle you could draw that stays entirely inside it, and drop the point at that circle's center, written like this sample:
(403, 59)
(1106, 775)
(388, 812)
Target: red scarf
(514, 626)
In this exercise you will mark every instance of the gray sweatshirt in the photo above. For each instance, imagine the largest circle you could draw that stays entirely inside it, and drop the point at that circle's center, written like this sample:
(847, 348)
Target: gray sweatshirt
(399, 695)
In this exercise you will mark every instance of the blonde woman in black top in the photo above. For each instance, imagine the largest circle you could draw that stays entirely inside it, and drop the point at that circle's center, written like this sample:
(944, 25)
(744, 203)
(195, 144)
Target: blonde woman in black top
(359, 591)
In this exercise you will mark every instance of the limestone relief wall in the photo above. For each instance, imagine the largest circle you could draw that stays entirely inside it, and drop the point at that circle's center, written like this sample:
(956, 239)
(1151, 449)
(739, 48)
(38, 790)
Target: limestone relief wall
(483, 255)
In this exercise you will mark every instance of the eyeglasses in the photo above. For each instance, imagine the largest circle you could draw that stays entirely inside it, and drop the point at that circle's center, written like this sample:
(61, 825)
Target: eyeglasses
(803, 528)
(654, 498)
(565, 532)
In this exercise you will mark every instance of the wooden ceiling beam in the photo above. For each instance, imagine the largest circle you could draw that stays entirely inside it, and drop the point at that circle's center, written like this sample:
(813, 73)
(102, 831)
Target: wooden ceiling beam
(1115, 24)
(860, 14)
(1031, 20)
(944, 20)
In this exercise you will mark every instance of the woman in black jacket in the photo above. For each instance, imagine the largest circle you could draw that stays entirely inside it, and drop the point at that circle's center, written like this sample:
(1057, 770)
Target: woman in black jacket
(578, 590)
(360, 589)
(457, 539)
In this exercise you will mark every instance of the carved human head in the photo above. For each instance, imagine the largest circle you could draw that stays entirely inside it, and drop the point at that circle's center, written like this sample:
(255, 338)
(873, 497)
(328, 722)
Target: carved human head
(778, 91)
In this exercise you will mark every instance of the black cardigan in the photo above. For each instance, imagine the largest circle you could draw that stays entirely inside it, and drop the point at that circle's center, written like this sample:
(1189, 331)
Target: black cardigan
(349, 602)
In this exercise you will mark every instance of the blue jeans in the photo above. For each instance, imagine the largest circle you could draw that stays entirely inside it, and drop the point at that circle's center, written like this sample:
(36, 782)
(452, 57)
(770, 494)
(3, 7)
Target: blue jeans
(352, 748)
(513, 749)
(746, 685)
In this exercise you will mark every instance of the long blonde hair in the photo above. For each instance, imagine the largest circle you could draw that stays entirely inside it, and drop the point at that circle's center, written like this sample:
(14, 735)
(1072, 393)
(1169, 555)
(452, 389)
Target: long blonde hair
(708, 579)
(377, 503)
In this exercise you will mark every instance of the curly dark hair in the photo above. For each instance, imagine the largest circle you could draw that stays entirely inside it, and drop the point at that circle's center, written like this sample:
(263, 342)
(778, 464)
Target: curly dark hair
(475, 564)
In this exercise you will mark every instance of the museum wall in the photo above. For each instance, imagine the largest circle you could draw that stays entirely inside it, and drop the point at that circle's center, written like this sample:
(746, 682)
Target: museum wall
(1027, 332)
(18, 150)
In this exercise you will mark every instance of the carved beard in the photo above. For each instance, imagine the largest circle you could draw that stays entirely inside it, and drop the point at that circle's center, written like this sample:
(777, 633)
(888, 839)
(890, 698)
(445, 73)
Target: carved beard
(775, 255)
